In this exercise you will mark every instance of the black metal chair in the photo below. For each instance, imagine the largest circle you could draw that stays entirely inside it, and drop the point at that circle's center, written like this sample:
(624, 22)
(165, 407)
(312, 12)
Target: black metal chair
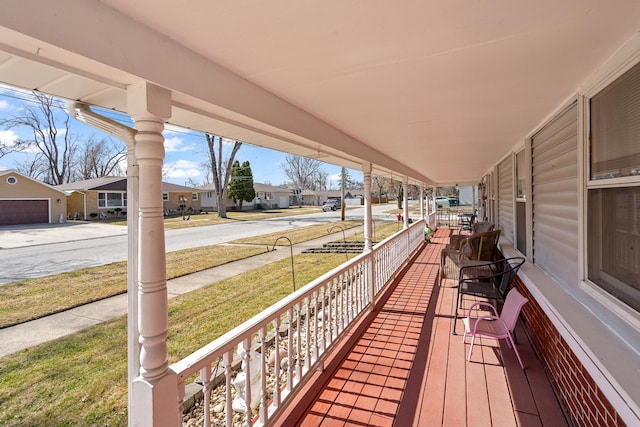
(466, 222)
(490, 280)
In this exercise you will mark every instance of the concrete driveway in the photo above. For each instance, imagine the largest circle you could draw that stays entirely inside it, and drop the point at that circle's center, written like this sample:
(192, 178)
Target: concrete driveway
(18, 236)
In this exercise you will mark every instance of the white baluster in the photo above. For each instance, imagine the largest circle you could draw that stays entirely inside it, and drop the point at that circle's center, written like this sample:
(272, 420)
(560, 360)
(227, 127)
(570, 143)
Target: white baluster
(205, 377)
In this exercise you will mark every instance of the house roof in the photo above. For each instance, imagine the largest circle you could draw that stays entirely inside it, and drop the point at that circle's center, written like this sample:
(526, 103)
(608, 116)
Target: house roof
(267, 187)
(12, 172)
(256, 186)
(175, 188)
(116, 183)
(103, 183)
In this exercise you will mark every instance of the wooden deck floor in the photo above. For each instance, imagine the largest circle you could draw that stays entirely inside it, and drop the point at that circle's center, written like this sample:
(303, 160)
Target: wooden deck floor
(407, 369)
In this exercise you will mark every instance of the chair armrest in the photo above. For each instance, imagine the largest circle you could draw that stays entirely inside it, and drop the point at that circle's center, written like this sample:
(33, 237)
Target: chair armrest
(482, 303)
(469, 263)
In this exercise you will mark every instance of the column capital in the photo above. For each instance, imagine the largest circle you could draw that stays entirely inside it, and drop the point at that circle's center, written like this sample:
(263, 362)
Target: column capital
(367, 167)
(148, 101)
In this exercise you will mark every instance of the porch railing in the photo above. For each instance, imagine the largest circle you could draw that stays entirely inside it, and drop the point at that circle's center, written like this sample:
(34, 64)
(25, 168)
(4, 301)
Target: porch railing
(280, 348)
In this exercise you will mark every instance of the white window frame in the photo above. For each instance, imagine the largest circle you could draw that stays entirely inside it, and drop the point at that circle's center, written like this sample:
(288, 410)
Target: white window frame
(123, 199)
(526, 200)
(626, 59)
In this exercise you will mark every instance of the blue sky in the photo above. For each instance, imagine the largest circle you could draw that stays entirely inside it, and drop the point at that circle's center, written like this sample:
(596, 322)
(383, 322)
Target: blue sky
(185, 150)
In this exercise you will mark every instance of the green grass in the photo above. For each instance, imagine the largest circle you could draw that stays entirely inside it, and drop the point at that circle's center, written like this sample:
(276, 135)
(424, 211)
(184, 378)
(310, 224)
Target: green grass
(198, 220)
(297, 235)
(34, 298)
(382, 231)
(81, 379)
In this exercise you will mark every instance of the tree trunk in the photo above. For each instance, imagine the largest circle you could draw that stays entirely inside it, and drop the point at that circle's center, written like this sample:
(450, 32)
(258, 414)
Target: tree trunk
(221, 175)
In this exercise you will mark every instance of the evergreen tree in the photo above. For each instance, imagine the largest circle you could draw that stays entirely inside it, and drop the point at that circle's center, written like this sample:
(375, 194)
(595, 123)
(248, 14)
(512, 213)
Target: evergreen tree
(241, 183)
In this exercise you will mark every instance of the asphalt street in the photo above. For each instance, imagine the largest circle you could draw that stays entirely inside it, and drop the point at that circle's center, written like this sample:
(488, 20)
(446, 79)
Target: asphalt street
(46, 249)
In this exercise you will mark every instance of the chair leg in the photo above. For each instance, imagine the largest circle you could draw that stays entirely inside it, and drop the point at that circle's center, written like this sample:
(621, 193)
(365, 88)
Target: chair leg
(473, 338)
(515, 350)
(455, 315)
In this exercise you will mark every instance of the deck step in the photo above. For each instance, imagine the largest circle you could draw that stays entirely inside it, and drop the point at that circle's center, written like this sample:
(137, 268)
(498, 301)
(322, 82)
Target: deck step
(338, 248)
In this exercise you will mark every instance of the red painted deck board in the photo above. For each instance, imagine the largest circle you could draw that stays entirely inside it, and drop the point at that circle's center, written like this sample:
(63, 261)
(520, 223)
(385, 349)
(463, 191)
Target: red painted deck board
(407, 369)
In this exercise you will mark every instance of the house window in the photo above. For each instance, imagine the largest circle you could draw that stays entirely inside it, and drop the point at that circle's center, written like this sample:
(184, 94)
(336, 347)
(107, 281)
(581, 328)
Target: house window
(108, 199)
(613, 196)
(194, 197)
(521, 203)
(165, 197)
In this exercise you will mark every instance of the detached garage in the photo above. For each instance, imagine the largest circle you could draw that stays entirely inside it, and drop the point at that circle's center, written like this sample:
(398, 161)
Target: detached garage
(24, 200)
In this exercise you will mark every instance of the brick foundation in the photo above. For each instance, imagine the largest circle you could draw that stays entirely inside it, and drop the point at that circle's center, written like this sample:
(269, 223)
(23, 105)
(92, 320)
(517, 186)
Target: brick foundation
(583, 402)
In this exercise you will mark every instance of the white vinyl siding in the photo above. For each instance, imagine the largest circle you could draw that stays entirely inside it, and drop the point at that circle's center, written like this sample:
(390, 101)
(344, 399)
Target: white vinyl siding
(554, 159)
(505, 198)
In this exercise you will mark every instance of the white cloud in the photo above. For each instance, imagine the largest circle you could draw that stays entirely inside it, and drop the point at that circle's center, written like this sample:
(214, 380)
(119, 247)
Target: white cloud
(4, 105)
(181, 169)
(176, 144)
(8, 137)
(335, 177)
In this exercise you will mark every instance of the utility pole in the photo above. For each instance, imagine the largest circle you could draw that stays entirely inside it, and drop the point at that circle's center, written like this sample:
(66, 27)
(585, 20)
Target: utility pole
(342, 184)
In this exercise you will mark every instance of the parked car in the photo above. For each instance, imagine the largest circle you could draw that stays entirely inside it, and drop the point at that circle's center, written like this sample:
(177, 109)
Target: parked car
(331, 205)
(442, 201)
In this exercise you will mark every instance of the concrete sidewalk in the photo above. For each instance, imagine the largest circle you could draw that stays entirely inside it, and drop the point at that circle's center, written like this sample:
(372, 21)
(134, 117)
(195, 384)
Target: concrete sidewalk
(48, 328)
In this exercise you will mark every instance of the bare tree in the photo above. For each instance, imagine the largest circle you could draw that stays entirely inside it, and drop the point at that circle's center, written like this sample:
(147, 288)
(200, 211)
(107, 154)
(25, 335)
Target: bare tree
(382, 186)
(99, 158)
(30, 167)
(320, 180)
(220, 169)
(301, 171)
(400, 194)
(48, 122)
(349, 182)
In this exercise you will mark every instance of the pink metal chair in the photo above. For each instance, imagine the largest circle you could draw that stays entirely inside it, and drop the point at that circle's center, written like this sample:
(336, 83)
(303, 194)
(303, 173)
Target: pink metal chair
(494, 326)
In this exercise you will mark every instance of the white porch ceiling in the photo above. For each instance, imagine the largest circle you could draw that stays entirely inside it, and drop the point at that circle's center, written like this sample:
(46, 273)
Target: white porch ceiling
(435, 90)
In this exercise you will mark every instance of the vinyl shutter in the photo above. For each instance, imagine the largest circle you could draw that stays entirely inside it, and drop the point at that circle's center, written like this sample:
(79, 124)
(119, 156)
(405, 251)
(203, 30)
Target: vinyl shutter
(554, 160)
(505, 198)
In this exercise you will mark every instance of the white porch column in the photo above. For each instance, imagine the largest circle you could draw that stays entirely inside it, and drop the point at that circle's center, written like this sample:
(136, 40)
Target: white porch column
(155, 390)
(405, 201)
(421, 204)
(133, 345)
(368, 216)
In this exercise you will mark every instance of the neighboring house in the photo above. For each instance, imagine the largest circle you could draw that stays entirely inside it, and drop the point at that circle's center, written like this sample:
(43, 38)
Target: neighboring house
(24, 200)
(106, 197)
(309, 197)
(466, 195)
(351, 197)
(267, 197)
